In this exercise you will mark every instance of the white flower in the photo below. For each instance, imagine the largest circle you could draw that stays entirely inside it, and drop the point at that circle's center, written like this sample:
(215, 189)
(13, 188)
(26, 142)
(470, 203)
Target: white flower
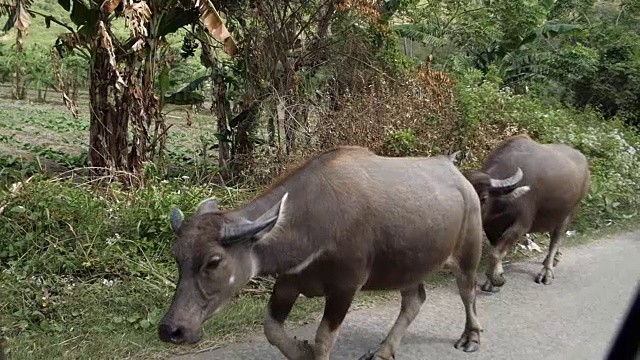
(107, 283)
(112, 240)
(36, 281)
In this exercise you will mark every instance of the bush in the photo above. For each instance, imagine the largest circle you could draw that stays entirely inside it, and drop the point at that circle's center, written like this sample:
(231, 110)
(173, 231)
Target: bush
(400, 143)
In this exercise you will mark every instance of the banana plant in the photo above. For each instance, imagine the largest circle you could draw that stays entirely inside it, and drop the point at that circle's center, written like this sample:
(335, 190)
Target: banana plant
(148, 22)
(18, 17)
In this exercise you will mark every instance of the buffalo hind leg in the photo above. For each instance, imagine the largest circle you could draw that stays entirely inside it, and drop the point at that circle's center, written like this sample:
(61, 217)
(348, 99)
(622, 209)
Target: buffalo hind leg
(557, 235)
(495, 272)
(466, 281)
(412, 300)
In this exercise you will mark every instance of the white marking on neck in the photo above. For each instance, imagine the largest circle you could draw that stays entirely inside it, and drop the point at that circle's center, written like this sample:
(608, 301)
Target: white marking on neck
(303, 265)
(255, 265)
(232, 279)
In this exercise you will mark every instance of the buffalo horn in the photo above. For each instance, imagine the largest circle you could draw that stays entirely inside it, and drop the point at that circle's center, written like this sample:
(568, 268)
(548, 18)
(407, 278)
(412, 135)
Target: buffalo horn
(510, 181)
(233, 232)
(516, 193)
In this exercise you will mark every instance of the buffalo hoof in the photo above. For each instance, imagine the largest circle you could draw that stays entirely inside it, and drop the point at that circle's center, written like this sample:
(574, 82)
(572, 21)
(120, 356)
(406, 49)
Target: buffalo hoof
(469, 342)
(376, 355)
(303, 350)
(545, 277)
(490, 288)
(498, 280)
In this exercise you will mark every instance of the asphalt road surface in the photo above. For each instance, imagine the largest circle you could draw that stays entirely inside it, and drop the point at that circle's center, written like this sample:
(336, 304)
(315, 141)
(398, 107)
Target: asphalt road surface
(576, 317)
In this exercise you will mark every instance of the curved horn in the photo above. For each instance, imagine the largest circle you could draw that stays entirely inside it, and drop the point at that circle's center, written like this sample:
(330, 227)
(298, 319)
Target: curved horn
(519, 191)
(232, 233)
(510, 181)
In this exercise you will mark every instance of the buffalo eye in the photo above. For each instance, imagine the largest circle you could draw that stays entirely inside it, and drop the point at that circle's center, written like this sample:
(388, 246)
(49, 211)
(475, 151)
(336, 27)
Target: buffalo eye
(214, 262)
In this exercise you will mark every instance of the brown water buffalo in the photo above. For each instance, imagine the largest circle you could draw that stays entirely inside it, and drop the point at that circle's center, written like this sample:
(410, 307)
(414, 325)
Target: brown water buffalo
(556, 179)
(347, 220)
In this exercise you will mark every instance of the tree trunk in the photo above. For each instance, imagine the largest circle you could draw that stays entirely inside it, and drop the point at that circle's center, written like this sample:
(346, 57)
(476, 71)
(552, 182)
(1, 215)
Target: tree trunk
(147, 106)
(20, 93)
(108, 127)
(242, 154)
(74, 91)
(219, 103)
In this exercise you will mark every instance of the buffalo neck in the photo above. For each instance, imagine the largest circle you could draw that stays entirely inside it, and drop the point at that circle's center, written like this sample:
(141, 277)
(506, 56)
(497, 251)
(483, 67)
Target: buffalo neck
(290, 246)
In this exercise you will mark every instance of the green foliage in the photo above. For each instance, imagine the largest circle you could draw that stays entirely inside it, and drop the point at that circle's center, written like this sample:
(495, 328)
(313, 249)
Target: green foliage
(400, 143)
(419, 32)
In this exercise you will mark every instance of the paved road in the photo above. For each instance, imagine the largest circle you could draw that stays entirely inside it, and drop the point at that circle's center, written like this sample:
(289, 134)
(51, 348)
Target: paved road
(574, 318)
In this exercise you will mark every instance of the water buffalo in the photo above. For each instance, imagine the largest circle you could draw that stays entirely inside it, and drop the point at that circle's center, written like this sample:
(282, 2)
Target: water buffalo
(556, 179)
(347, 220)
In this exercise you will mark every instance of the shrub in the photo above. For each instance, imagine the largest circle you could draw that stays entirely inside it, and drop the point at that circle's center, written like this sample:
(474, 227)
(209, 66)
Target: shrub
(400, 143)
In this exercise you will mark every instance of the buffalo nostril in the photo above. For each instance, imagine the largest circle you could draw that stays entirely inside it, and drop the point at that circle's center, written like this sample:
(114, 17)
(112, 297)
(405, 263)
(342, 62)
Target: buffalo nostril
(170, 333)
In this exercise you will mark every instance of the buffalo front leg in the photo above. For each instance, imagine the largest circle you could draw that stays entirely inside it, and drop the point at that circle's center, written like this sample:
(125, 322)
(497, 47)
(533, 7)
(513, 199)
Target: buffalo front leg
(282, 299)
(335, 309)
(495, 272)
(557, 235)
(412, 301)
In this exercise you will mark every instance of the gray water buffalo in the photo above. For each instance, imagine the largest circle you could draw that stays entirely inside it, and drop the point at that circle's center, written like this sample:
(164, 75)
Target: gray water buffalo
(347, 220)
(556, 179)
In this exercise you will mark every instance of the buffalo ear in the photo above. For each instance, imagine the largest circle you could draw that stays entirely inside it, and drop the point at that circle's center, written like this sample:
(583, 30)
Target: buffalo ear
(207, 206)
(176, 219)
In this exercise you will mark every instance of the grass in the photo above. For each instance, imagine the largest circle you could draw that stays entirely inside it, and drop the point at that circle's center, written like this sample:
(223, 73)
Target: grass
(50, 132)
(121, 322)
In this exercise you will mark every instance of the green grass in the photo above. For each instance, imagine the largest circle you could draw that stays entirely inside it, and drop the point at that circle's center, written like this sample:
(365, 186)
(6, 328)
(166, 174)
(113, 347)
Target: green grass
(50, 132)
(121, 322)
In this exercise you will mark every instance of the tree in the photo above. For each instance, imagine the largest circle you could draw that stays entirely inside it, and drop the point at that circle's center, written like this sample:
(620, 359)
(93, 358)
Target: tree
(123, 71)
